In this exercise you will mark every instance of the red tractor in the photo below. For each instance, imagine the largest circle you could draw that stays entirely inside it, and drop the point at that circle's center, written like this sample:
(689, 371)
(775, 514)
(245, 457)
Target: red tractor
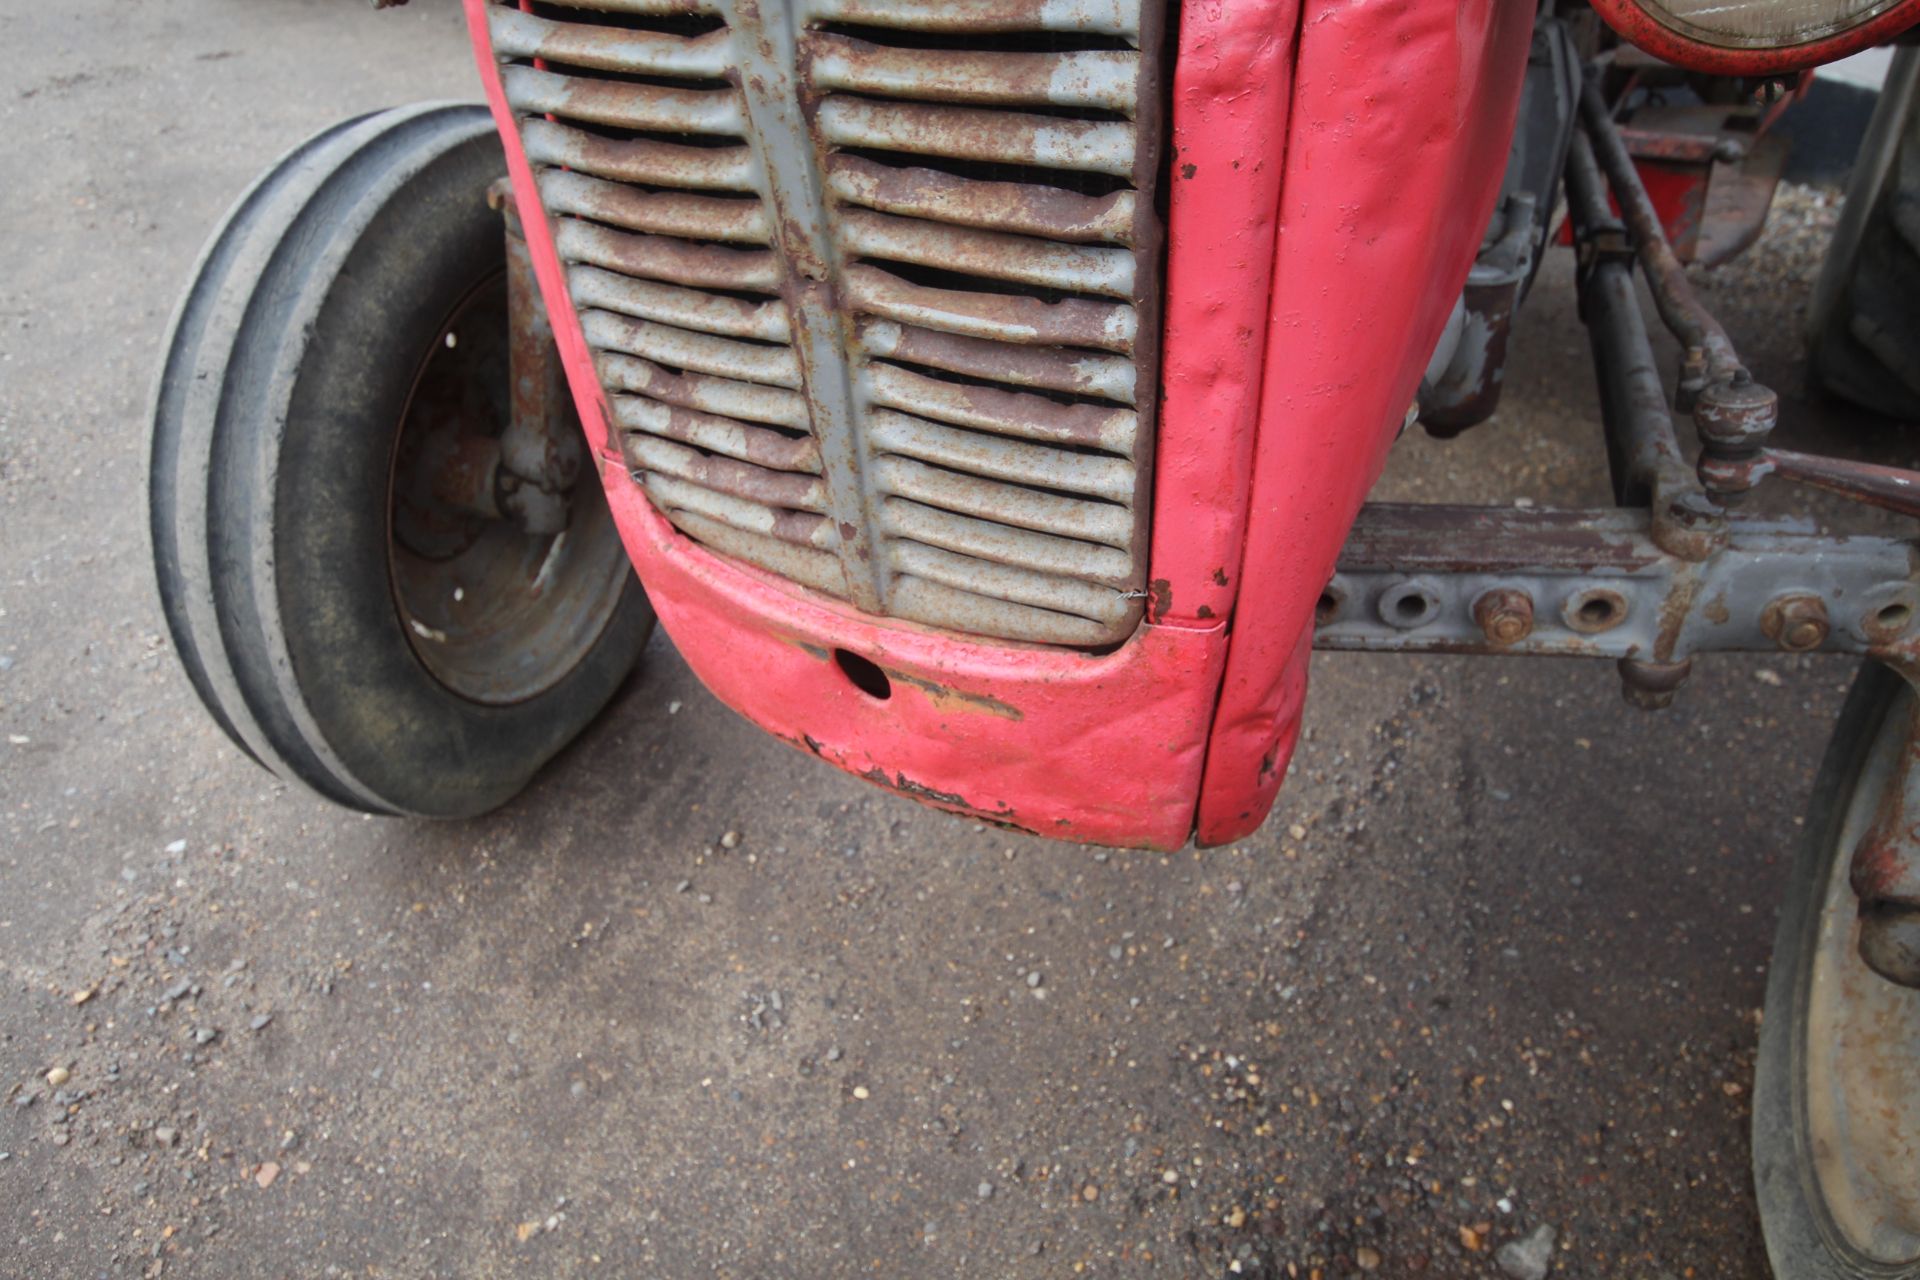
(984, 395)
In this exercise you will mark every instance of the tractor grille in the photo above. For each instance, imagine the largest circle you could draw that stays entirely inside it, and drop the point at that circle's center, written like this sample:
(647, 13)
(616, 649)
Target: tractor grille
(871, 285)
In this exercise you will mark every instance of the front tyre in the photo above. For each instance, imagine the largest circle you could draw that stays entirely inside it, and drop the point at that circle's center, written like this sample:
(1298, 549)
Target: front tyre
(346, 629)
(1836, 1121)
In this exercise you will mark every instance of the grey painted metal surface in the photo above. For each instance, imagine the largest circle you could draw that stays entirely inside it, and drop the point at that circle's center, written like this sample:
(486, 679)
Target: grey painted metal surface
(1595, 584)
(875, 304)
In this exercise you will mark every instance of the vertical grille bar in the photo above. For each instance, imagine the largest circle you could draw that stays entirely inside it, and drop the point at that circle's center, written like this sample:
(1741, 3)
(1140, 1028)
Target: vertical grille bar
(765, 43)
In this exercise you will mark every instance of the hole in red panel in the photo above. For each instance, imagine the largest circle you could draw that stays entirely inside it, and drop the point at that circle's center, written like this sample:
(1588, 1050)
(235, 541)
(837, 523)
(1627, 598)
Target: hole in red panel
(866, 676)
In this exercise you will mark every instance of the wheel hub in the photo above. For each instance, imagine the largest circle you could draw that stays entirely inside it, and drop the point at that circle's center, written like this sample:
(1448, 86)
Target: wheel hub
(502, 586)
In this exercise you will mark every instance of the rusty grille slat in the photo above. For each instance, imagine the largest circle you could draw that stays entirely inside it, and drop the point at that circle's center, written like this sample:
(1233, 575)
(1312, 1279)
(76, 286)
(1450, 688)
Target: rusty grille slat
(936, 603)
(671, 304)
(1105, 17)
(1051, 368)
(798, 529)
(969, 133)
(1085, 78)
(817, 569)
(991, 255)
(1006, 503)
(991, 456)
(724, 398)
(790, 490)
(517, 34)
(1004, 544)
(639, 159)
(1011, 413)
(1002, 317)
(686, 349)
(699, 266)
(668, 213)
(624, 105)
(719, 435)
(874, 301)
(1022, 208)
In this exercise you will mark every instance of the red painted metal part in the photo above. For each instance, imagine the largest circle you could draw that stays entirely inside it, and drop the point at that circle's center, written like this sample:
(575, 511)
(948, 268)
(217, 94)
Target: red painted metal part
(1679, 195)
(1106, 749)
(1635, 24)
(1390, 141)
(1402, 115)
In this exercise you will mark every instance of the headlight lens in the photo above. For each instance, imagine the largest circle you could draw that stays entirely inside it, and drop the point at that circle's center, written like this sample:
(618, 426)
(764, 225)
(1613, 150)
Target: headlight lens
(1763, 24)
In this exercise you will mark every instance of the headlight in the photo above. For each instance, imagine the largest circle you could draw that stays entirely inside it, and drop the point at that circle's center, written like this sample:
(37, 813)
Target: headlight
(1765, 24)
(1757, 37)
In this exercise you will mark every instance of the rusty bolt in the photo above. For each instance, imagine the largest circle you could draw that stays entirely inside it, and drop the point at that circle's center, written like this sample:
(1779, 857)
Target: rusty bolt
(1504, 614)
(1797, 623)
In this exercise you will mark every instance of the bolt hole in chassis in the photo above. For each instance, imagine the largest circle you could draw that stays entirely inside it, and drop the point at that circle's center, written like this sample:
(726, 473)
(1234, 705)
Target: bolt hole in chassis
(829, 564)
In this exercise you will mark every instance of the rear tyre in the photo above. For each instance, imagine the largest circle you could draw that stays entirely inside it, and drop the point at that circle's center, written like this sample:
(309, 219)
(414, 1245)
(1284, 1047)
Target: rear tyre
(1864, 322)
(356, 291)
(1836, 1118)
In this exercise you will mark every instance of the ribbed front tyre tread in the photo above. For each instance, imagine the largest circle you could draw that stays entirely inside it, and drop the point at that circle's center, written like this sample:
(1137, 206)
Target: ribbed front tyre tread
(286, 376)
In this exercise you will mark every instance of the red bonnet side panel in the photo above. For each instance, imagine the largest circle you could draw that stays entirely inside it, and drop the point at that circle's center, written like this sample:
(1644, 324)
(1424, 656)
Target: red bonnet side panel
(1402, 115)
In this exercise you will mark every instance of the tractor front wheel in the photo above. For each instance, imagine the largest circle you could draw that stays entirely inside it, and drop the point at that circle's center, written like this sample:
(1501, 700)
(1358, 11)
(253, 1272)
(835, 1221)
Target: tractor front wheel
(355, 614)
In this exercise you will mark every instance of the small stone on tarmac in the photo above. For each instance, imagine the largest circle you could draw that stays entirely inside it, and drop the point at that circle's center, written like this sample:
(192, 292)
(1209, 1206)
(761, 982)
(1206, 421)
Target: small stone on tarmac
(260, 1022)
(984, 1191)
(731, 840)
(1367, 1257)
(266, 1173)
(58, 1076)
(1530, 1257)
(860, 1092)
(166, 1135)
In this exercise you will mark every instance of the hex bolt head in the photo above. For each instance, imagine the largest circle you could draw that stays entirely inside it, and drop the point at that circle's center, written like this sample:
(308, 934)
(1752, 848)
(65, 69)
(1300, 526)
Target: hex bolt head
(1504, 615)
(1797, 623)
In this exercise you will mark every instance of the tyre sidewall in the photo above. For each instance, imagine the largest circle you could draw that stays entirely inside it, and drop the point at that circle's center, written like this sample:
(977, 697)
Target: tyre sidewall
(1802, 1241)
(392, 727)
